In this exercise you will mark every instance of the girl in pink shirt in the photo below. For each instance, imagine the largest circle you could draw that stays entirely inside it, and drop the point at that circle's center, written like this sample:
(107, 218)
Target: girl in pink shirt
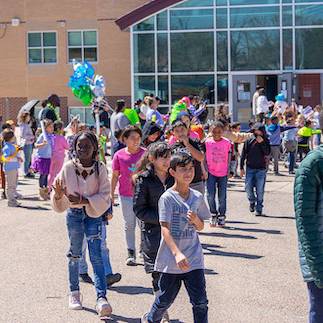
(124, 165)
(58, 153)
(218, 151)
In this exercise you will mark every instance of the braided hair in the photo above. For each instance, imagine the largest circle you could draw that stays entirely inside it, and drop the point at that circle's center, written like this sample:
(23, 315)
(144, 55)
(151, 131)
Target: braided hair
(94, 142)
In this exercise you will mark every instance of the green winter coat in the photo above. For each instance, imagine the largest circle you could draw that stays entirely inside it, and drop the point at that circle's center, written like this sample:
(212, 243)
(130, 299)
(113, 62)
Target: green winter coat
(308, 200)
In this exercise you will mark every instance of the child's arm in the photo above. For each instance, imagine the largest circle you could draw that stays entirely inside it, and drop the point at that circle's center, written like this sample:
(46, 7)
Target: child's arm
(59, 200)
(114, 182)
(181, 260)
(100, 201)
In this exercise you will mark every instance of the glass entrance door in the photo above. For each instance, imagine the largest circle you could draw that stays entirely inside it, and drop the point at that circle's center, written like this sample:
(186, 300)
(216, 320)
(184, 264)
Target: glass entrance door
(243, 88)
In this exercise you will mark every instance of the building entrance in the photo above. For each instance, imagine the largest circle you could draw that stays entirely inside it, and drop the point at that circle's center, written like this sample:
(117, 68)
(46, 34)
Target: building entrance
(270, 83)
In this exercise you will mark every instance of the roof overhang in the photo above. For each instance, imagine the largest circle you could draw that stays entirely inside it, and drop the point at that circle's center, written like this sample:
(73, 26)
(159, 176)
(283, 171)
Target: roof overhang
(140, 13)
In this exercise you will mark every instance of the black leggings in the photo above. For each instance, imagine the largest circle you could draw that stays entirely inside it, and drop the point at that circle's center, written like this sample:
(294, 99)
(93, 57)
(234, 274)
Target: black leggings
(43, 181)
(303, 150)
(156, 276)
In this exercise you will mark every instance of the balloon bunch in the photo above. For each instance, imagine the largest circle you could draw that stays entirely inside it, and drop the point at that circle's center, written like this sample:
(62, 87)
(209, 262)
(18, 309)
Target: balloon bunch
(85, 84)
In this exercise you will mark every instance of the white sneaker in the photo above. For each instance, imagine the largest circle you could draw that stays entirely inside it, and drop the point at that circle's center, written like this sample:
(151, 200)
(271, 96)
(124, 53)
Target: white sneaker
(103, 307)
(165, 318)
(74, 301)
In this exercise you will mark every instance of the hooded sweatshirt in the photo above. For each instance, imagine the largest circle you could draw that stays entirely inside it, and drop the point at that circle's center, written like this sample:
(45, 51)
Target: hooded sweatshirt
(255, 153)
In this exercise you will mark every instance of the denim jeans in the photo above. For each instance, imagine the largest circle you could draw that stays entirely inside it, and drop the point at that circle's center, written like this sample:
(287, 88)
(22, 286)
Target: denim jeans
(129, 217)
(213, 184)
(275, 153)
(78, 224)
(316, 303)
(170, 284)
(291, 161)
(28, 150)
(255, 183)
(104, 252)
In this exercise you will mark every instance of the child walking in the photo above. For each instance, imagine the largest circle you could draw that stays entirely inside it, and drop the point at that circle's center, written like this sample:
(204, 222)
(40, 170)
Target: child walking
(218, 158)
(42, 159)
(11, 159)
(182, 212)
(60, 145)
(255, 154)
(150, 185)
(124, 165)
(83, 189)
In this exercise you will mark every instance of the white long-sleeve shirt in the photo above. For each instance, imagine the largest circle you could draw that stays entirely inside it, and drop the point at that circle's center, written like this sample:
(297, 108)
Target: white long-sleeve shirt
(262, 104)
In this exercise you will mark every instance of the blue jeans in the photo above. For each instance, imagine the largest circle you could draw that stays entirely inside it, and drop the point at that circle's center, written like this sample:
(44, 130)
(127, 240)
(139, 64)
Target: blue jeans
(104, 253)
(291, 161)
(28, 150)
(316, 303)
(213, 184)
(78, 224)
(170, 284)
(255, 183)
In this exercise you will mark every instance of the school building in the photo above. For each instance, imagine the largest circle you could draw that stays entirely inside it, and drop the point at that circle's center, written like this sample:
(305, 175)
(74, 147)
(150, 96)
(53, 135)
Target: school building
(218, 49)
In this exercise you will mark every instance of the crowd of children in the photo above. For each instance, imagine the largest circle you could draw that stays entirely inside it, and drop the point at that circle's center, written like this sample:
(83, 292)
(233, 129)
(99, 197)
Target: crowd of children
(163, 173)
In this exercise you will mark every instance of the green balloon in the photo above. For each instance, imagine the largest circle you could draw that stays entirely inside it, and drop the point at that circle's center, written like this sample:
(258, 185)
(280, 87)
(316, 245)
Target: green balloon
(132, 116)
(84, 93)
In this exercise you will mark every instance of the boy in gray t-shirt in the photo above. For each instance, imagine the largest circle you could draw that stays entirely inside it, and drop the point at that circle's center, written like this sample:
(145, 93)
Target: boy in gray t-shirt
(182, 212)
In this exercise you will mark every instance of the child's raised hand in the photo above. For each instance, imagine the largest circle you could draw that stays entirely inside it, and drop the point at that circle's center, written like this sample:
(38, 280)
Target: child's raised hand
(182, 262)
(60, 191)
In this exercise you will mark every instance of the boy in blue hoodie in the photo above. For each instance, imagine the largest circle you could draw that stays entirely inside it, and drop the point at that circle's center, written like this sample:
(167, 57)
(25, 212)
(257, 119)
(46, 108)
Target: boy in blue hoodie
(11, 159)
(274, 131)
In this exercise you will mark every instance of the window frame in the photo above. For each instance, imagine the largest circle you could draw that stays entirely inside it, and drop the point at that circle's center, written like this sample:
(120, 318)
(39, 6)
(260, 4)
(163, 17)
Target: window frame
(42, 47)
(82, 44)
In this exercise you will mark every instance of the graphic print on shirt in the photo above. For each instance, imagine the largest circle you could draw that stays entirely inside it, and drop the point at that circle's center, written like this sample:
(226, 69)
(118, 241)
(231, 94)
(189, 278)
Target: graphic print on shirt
(219, 155)
(180, 227)
(132, 168)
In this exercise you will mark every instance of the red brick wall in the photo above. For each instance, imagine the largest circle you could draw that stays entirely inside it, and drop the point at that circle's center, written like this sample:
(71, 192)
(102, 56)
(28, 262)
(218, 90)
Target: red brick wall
(64, 109)
(9, 107)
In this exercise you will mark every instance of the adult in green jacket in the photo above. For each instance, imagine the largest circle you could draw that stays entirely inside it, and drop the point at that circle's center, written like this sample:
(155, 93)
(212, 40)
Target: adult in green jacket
(308, 200)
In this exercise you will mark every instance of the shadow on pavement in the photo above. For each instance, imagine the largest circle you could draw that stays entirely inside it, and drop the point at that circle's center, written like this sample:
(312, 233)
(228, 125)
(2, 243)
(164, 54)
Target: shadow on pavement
(31, 198)
(254, 230)
(278, 217)
(211, 250)
(240, 222)
(225, 235)
(131, 290)
(210, 272)
(35, 208)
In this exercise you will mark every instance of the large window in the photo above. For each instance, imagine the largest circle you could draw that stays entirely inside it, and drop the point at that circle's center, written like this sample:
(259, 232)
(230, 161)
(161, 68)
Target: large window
(42, 47)
(144, 85)
(254, 17)
(202, 85)
(191, 19)
(255, 50)
(192, 52)
(83, 45)
(144, 53)
(307, 15)
(84, 114)
(197, 46)
(309, 48)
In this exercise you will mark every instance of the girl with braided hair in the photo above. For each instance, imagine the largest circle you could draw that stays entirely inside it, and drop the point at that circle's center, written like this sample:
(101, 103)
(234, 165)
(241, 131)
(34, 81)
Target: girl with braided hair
(83, 189)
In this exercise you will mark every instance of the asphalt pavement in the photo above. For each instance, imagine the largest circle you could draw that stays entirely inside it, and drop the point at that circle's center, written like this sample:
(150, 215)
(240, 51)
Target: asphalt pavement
(252, 268)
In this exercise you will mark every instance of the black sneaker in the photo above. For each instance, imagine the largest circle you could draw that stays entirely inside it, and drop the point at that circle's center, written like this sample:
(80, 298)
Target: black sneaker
(113, 279)
(221, 221)
(131, 259)
(252, 207)
(85, 278)
(259, 213)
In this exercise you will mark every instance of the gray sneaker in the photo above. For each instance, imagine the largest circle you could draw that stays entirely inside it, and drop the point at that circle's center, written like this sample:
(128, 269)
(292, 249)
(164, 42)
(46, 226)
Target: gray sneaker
(103, 308)
(14, 203)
